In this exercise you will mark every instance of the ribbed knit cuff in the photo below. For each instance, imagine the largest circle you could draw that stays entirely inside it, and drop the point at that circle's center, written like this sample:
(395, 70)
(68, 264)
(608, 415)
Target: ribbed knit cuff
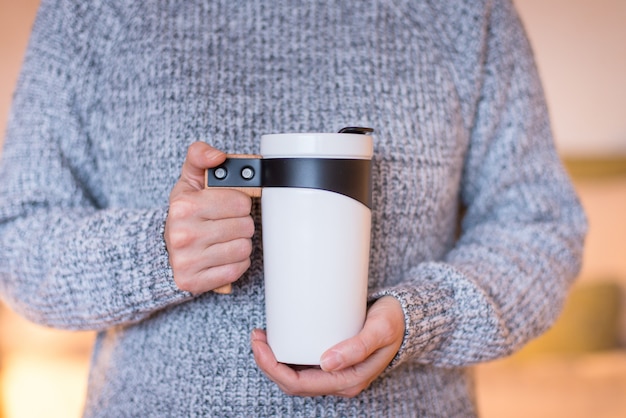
(427, 316)
(165, 285)
(155, 287)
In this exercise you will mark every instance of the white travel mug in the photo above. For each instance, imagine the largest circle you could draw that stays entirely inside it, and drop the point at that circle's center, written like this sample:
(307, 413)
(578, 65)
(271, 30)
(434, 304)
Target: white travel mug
(316, 219)
(315, 249)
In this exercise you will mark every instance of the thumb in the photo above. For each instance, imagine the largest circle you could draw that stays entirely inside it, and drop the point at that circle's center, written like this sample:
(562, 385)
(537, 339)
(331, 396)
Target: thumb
(382, 332)
(200, 156)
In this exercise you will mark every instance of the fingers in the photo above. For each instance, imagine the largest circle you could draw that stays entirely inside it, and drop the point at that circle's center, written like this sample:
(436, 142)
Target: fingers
(211, 278)
(207, 232)
(205, 254)
(197, 221)
(211, 204)
(200, 235)
(208, 237)
(265, 358)
(304, 382)
(360, 360)
(384, 327)
(308, 381)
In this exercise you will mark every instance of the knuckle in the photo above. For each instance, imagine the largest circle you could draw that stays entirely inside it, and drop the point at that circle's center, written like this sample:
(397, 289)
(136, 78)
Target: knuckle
(179, 263)
(179, 238)
(386, 332)
(185, 283)
(362, 346)
(384, 337)
(181, 209)
(196, 148)
(293, 389)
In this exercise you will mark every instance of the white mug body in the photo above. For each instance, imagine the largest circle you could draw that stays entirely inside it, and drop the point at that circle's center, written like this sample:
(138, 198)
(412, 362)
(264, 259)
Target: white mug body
(316, 247)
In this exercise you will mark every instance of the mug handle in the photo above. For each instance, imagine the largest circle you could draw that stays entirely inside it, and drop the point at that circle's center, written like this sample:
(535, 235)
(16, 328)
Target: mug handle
(250, 191)
(253, 191)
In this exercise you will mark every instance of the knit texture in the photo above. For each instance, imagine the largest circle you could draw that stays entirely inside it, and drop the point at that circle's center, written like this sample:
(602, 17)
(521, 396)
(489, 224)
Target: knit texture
(112, 94)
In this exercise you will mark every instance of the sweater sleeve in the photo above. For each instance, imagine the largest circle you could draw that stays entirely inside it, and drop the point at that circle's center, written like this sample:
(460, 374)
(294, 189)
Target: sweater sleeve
(66, 258)
(522, 235)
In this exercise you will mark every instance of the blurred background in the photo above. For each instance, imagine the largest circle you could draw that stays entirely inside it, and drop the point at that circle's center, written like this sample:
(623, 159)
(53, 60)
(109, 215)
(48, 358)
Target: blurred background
(578, 369)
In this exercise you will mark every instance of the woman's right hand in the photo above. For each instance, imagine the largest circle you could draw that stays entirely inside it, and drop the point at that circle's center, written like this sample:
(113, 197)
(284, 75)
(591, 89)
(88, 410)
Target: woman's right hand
(208, 232)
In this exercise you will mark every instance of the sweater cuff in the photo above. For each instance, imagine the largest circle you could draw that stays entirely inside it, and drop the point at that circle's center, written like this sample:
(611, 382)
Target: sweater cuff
(161, 290)
(427, 319)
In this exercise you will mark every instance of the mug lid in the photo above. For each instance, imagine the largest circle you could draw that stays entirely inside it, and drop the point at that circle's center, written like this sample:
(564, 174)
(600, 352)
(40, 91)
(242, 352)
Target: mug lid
(326, 145)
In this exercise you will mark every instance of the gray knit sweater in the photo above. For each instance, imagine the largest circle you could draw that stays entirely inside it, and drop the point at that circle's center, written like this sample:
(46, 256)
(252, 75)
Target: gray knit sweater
(111, 95)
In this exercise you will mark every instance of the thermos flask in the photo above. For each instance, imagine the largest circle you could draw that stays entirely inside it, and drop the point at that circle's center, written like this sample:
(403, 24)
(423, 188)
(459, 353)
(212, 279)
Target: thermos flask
(316, 219)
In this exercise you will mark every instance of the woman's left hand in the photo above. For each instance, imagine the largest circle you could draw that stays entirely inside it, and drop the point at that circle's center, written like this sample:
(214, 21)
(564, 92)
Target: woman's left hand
(349, 367)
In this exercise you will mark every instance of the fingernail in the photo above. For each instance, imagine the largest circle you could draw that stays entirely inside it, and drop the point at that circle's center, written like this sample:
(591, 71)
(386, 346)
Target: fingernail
(331, 361)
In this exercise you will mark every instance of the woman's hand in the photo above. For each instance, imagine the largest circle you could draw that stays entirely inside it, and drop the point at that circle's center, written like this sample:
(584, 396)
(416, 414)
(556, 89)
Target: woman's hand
(349, 367)
(208, 231)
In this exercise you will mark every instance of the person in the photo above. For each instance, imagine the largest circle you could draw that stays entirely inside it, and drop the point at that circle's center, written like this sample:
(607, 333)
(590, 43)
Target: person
(105, 225)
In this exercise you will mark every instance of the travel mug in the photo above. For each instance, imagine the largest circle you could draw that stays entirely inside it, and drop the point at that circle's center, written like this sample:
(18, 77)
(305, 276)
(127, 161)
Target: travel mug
(316, 219)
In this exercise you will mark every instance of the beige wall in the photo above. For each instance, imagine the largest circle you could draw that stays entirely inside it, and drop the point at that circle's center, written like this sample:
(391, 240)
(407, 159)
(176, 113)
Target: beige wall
(16, 17)
(580, 47)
